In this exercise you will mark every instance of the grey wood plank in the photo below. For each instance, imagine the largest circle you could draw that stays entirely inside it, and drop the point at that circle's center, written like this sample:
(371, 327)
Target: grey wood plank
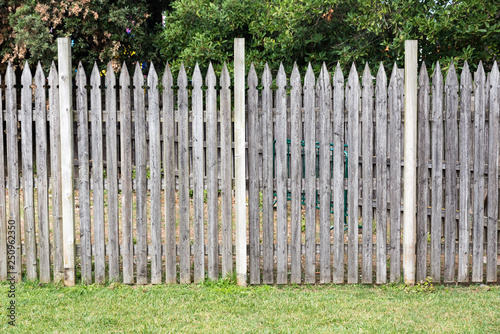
(40, 118)
(226, 173)
(112, 174)
(381, 173)
(492, 201)
(296, 174)
(423, 155)
(3, 207)
(212, 171)
(83, 175)
(325, 138)
(140, 166)
(13, 166)
(155, 174)
(97, 175)
(338, 175)
(253, 175)
(367, 164)
(27, 163)
(267, 175)
(55, 163)
(437, 170)
(395, 104)
(352, 106)
(184, 254)
(310, 175)
(198, 173)
(281, 174)
(478, 200)
(465, 166)
(451, 155)
(169, 172)
(126, 175)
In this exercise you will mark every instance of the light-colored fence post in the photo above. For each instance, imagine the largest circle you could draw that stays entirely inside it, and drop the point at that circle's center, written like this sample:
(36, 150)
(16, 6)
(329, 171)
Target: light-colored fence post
(410, 162)
(66, 121)
(239, 161)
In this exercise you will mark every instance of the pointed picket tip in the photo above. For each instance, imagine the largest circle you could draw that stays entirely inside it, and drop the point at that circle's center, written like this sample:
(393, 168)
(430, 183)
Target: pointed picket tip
(451, 77)
(197, 80)
(52, 72)
(110, 76)
(26, 75)
(423, 77)
(353, 75)
(138, 72)
(338, 76)
(466, 77)
(252, 77)
(81, 78)
(381, 75)
(367, 75)
(39, 71)
(480, 68)
(325, 74)
(152, 77)
(182, 77)
(124, 76)
(437, 70)
(309, 79)
(266, 76)
(210, 78)
(281, 77)
(295, 77)
(225, 80)
(95, 77)
(167, 80)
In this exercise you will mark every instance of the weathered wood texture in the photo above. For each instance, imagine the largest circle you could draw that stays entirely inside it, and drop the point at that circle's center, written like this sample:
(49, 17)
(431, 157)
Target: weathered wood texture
(295, 157)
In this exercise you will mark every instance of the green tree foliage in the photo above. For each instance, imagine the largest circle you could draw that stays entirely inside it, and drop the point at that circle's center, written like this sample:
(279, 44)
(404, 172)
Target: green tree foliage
(102, 30)
(331, 31)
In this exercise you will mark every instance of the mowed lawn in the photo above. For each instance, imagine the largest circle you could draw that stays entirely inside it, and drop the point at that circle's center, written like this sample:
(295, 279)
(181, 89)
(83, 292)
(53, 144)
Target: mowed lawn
(223, 307)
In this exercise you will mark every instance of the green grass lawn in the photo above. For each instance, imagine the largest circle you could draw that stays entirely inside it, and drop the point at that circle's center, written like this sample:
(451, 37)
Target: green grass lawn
(223, 307)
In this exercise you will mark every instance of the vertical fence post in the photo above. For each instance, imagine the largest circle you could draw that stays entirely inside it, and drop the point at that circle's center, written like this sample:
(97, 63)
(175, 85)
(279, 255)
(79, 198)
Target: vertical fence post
(239, 160)
(66, 121)
(410, 162)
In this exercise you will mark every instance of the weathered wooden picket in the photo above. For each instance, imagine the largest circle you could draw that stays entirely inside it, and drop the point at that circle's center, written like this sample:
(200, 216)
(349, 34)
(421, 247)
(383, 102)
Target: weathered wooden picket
(154, 182)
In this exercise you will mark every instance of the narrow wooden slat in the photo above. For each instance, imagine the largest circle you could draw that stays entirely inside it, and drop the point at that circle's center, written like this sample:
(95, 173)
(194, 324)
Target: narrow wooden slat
(310, 174)
(169, 172)
(40, 117)
(126, 176)
(296, 174)
(55, 163)
(184, 253)
(212, 171)
(437, 170)
(464, 153)
(155, 172)
(112, 175)
(267, 176)
(352, 106)
(423, 155)
(27, 162)
(338, 175)
(478, 200)
(494, 127)
(140, 167)
(13, 169)
(97, 175)
(253, 175)
(281, 174)
(394, 139)
(367, 161)
(325, 138)
(381, 173)
(451, 154)
(83, 176)
(198, 173)
(3, 207)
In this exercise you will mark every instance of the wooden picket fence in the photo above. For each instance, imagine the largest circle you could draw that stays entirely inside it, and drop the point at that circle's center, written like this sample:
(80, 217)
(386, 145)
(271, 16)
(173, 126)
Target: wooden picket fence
(140, 157)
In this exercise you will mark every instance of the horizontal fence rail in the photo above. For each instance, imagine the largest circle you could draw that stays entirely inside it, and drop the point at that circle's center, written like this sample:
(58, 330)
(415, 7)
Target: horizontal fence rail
(154, 172)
